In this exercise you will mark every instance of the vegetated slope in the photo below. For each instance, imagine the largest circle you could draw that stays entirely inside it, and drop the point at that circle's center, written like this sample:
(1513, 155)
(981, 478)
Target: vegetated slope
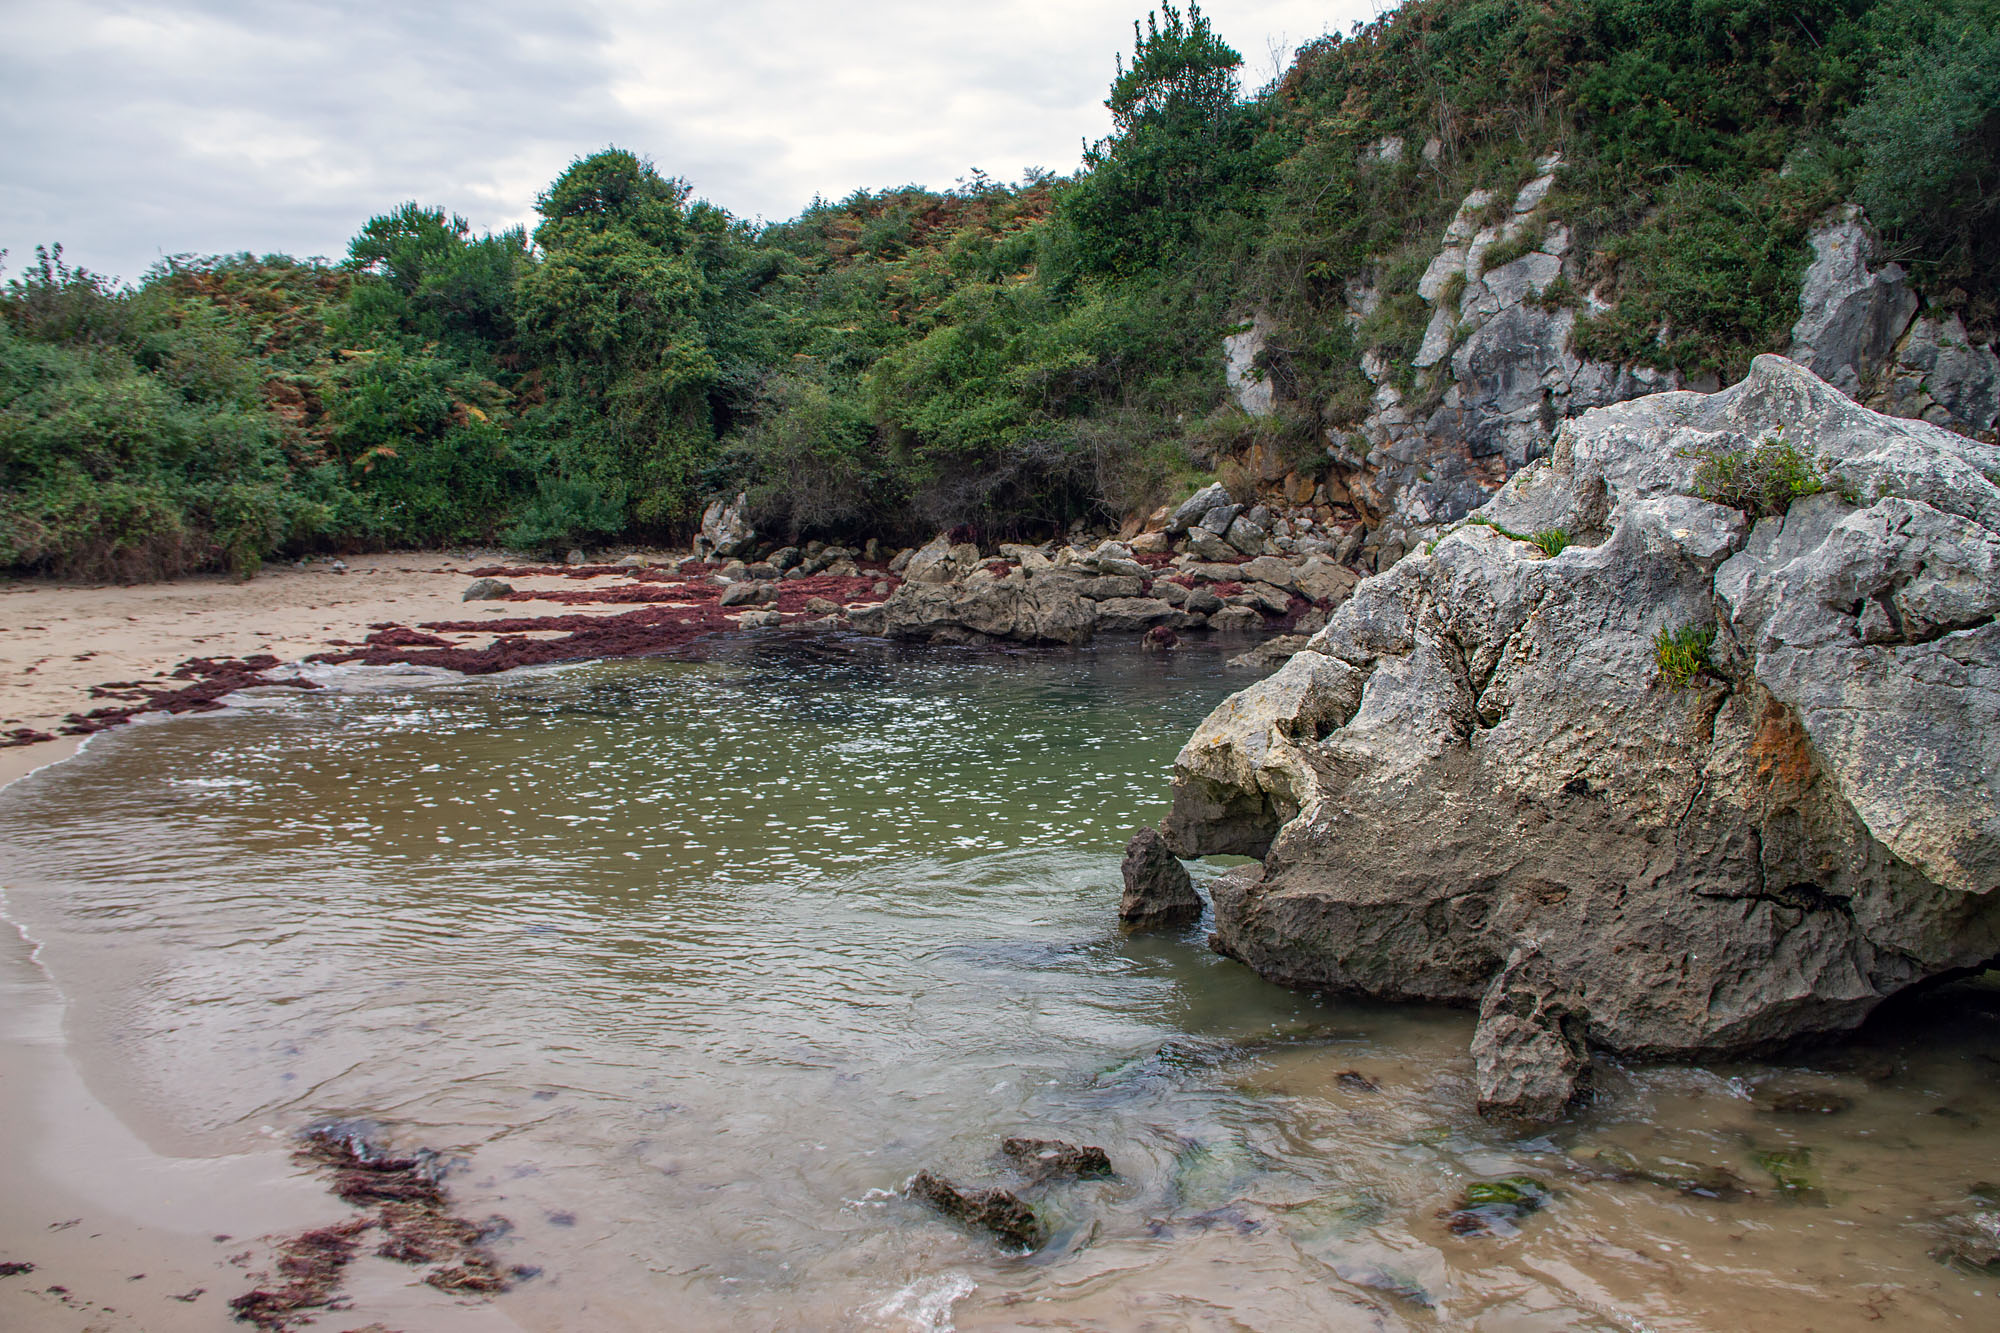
(1013, 356)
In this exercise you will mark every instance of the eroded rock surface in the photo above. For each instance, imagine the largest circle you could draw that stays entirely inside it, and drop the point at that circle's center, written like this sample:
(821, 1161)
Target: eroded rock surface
(1158, 891)
(1473, 786)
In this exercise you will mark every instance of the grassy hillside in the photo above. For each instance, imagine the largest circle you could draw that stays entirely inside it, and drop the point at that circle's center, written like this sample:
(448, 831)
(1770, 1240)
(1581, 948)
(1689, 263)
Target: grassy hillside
(1014, 356)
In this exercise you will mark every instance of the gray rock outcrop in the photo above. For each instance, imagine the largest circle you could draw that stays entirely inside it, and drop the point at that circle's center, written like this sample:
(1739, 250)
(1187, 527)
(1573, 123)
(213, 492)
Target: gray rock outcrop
(725, 527)
(1251, 388)
(1475, 787)
(1850, 316)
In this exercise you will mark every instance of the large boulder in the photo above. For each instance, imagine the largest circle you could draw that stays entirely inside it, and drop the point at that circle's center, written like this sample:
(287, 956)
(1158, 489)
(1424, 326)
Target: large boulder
(1475, 785)
(1024, 608)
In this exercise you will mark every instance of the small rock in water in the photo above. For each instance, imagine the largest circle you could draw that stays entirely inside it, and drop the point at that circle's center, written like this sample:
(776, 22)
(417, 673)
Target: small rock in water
(482, 590)
(1496, 1207)
(1969, 1238)
(1158, 891)
(1159, 639)
(999, 1212)
(1358, 1081)
(1052, 1159)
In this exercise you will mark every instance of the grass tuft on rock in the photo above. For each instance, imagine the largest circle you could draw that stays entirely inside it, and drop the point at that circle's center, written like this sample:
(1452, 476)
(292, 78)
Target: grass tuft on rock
(1682, 654)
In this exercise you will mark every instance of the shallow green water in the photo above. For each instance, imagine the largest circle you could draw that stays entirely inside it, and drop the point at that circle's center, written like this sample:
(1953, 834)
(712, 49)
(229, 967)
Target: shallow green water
(696, 963)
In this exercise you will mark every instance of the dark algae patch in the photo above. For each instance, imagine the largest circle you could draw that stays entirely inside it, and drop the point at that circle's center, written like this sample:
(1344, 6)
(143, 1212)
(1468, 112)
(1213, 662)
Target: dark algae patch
(408, 1205)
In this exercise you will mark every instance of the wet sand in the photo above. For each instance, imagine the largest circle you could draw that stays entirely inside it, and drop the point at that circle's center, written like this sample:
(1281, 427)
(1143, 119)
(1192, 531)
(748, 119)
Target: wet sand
(122, 1236)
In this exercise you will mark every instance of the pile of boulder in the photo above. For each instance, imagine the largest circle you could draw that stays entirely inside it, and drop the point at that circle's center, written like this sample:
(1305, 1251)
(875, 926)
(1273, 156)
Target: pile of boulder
(1064, 594)
(1209, 563)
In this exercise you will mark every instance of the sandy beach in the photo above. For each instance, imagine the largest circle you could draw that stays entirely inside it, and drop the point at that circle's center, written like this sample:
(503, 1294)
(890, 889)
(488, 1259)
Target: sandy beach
(120, 1235)
(58, 640)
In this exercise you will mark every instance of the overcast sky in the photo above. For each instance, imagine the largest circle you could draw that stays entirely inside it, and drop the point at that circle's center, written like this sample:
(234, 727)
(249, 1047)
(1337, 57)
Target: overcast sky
(129, 131)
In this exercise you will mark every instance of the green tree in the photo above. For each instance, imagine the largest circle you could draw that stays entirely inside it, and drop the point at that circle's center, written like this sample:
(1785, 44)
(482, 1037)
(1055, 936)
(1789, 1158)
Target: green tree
(1182, 148)
(620, 310)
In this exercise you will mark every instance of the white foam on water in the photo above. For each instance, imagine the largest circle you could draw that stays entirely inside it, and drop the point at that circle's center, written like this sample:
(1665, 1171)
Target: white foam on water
(926, 1303)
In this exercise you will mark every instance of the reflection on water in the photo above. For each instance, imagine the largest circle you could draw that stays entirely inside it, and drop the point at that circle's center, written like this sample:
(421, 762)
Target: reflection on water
(696, 963)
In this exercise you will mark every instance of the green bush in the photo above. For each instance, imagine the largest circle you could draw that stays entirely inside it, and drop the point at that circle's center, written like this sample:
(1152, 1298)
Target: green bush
(1763, 480)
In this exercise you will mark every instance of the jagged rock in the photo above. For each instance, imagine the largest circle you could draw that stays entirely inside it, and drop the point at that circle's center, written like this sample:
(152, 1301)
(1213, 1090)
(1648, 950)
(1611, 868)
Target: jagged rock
(1324, 582)
(1193, 509)
(1218, 519)
(1202, 602)
(1173, 594)
(1850, 317)
(1528, 1053)
(996, 1211)
(1269, 655)
(1246, 536)
(937, 561)
(1208, 546)
(1263, 597)
(822, 606)
(758, 619)
(485, 590)
(1478, 752)
(1941, 376)
(748, 592)
(1158, 891)
(1272, 570)
(725, 526)
(1027, 610)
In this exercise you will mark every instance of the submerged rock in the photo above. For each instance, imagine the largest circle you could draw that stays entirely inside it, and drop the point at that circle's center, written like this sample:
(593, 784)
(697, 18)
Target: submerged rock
(1475, 786)
(1496, 1207)
(1969, 1236)
(1158, 891)
(998, 1212)
(1052, 1159)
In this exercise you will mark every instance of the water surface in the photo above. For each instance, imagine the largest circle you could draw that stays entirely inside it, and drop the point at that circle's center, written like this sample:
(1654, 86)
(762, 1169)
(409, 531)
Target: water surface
(695, 963)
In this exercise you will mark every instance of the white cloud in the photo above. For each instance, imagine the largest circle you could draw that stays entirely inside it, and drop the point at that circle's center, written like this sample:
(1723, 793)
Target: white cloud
(134, 130)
